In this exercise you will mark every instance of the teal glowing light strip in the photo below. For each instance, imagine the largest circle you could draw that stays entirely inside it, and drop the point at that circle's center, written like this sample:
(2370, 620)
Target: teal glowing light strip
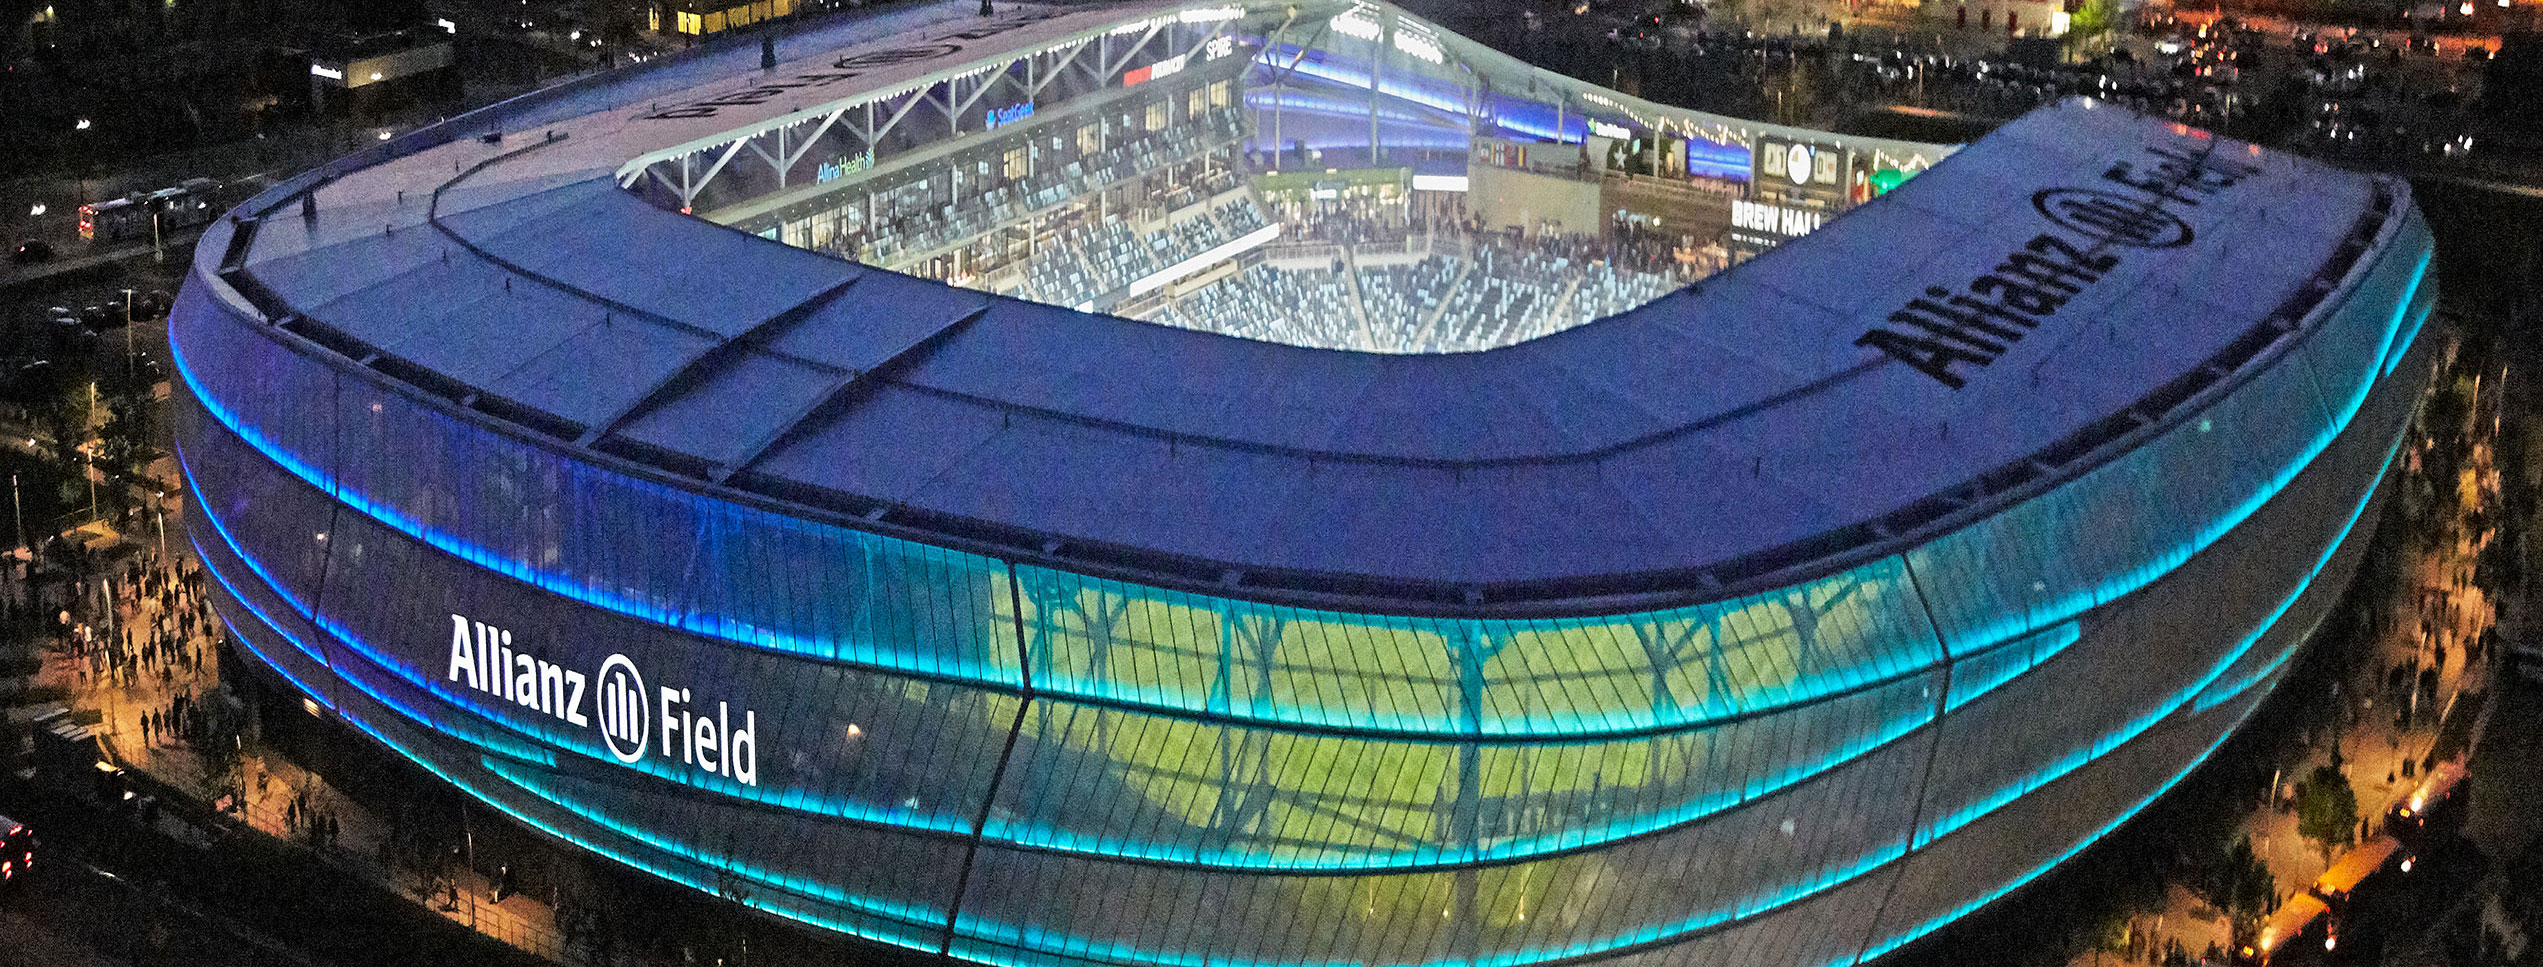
(467, 733)
(1925, 650)
(545, 789)
(1031, 937)
(1910, 936)
(2076, 602)
(751, 634)
(2394, 350)
(1053, 838)
(629, 859)
(2085, 755)
(2204, 703)
(2044, 646)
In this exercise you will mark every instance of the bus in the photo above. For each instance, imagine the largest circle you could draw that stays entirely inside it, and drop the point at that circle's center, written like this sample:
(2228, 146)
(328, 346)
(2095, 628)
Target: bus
(2301, 922)
(2307, 927)
(2438, 797)
(137, 215)
(17, 852)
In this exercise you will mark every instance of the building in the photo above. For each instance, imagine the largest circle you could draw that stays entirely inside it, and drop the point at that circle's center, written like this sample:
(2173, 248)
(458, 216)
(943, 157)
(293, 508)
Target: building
(2021, 18)
(1776, 620)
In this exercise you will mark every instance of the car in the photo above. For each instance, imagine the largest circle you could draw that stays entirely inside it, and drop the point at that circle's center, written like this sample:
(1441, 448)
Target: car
(32, 251)
(17, 852)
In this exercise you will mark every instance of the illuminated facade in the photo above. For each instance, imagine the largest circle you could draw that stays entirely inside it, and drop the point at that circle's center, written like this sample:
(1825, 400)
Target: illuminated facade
(938, 725)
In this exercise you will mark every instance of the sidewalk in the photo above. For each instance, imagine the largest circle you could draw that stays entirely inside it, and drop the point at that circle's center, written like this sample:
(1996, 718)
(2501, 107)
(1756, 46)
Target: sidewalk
(2429, 619)
(153, 665)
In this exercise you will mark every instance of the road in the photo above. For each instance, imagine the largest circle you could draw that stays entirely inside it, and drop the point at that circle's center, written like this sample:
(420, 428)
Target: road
(71, 913)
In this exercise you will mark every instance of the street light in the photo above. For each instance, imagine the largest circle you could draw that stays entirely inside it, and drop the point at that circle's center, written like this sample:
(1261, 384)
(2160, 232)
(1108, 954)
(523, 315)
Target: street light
(129, 375)
(80, 125)
(90, 451)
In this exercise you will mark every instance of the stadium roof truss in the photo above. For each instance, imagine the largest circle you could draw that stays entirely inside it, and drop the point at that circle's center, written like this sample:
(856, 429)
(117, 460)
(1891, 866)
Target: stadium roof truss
(1101, 54)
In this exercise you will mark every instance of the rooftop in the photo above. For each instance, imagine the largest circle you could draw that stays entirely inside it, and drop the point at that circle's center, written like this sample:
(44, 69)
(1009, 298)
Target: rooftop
(1724, 430)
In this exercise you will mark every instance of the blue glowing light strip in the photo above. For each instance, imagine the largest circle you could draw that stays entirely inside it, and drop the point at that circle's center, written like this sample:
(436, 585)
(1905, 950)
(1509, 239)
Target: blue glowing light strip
(1052, 838)
(641, 863)
(1036, 937)
(471, 736)
(749, 634)
(797, 800)
(249, 641)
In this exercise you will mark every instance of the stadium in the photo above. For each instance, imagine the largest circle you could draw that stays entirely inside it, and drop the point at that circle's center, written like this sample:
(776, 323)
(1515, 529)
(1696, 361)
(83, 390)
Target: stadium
(1282, 484)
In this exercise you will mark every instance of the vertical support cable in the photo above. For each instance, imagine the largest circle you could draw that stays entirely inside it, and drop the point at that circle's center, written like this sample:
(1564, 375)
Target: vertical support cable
(998, 773)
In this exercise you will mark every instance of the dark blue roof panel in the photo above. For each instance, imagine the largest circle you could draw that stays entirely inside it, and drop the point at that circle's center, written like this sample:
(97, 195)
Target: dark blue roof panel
(1718, 422)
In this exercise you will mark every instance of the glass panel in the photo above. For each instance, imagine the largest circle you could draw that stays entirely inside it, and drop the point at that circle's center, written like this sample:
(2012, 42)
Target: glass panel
(1112, 640)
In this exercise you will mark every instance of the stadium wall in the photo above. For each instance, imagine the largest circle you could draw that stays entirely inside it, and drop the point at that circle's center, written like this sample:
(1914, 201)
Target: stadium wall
(1526, 200)
(955, 752)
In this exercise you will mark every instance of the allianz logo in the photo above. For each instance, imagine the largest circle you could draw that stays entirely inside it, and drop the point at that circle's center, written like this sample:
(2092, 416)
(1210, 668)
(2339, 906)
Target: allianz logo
(483, 659)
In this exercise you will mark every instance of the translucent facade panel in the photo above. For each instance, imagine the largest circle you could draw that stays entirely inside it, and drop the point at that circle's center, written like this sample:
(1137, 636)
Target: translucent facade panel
(2388, 305)
(2121, 524)
(852, 869)
(629, 545)
(1092, 779)
(280, 522)
(829, 739)
(304, 670)
(1176, 778)
(1762, 857)
(262, 386)
(695, 869)
(1978, 674)
(1979, 863)
(1112, 640)
(1822, 930)
(2153, 653)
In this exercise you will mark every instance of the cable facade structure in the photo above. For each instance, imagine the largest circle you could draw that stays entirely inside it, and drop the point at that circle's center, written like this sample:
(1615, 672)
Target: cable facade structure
(945, 727)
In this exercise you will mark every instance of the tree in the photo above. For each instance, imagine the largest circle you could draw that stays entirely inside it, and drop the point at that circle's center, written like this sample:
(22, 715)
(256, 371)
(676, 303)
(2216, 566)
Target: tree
(2326, 810)
(2094, 20)
(123, 443)
(2237, 882)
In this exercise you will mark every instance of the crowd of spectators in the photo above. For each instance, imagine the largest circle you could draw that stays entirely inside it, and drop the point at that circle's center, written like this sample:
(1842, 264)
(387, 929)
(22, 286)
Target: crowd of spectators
(1093, 257)
(1400, 300)
(1507, 289)
(921, 228)
(1301, 308)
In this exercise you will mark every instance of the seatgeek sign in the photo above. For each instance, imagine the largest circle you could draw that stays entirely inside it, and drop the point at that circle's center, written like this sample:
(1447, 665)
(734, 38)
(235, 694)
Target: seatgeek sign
(612, 700)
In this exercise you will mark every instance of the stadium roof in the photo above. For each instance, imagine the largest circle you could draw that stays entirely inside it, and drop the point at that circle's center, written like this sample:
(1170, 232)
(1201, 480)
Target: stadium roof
(1726, 430)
